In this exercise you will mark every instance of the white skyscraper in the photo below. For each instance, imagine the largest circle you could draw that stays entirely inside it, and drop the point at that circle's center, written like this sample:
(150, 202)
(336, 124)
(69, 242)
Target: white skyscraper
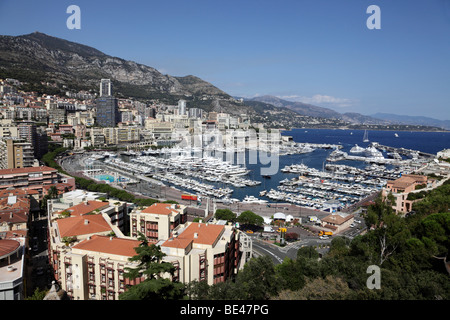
(105, 88)
(182, 107)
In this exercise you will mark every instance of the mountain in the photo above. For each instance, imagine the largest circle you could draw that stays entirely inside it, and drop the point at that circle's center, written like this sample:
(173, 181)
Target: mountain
(38, 57)
(315, 111)
(52, 65)
(413, 120)
(299, 107)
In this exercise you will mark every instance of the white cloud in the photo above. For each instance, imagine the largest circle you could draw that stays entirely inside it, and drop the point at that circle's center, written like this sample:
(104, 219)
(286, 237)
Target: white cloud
(319, 99)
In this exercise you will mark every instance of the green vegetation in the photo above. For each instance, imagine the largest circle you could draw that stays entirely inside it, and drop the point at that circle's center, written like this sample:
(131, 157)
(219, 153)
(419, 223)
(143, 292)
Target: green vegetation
(409, 252)
(91, 185)
(151, 266)
(38, 294)
(250, 218)
(225, 214)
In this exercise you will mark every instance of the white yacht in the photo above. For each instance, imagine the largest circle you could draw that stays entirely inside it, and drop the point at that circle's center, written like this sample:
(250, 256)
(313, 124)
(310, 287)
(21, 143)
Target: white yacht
(357, 149)
(252, 199)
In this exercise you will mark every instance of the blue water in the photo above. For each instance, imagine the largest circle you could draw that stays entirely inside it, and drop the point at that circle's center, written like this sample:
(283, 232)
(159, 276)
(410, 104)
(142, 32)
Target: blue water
(430, 142)
(105, 177)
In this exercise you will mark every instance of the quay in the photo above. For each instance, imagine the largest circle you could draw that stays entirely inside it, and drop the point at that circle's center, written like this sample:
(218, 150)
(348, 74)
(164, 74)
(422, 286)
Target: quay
(402, 151)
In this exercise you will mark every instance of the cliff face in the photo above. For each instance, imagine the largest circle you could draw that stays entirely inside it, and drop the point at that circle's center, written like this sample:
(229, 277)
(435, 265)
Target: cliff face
(66, 62)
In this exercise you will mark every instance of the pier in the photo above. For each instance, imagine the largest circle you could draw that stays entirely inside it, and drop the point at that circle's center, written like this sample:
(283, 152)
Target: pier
(402, 151)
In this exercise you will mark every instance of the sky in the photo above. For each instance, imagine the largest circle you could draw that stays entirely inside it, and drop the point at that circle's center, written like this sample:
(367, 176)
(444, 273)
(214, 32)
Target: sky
(314, 51)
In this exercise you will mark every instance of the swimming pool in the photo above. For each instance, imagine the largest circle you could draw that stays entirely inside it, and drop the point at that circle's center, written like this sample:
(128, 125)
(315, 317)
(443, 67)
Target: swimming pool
(105, 177)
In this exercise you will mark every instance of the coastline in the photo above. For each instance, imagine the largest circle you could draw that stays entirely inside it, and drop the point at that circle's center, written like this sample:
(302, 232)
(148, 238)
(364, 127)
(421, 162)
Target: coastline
(373, 129)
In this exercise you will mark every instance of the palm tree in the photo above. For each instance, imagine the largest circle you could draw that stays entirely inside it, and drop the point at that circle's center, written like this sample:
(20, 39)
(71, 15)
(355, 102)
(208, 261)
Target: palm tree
(52, 192)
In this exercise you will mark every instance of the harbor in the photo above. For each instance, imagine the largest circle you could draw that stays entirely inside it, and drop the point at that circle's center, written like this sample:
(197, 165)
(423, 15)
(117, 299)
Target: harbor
(332, 187)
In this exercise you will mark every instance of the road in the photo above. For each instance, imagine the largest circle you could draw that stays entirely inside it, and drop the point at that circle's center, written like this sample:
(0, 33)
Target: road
(278, 254)
(75, 164)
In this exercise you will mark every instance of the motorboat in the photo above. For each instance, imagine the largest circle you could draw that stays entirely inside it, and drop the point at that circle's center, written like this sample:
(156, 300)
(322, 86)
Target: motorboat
(357, 149)
(252, 199)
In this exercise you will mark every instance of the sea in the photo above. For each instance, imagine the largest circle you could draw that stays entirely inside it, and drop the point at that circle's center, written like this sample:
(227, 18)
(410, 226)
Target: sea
(429, 142)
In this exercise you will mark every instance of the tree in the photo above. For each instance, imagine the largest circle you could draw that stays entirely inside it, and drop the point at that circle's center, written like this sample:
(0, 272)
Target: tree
(249, 217)
(389, 229)
(152, 268)
(38, 294)
(197, 290)
(225, 214)
(52, 192)
(330, 288)
(258, 280)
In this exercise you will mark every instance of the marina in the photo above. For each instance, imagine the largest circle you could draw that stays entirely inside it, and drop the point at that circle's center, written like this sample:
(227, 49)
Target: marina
(332, 187)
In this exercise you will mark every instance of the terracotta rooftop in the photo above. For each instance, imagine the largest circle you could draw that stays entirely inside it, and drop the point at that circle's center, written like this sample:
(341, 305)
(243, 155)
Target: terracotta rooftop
(407, 180)
(13, 217)
(337, 219)
(24, 193)
(200, 233)
(14, 204)
(60, 187)
(117, 246)
(86, 207)
(13, 234)
(26, 170)
(74, 226)
(160, 208)
(8, 246)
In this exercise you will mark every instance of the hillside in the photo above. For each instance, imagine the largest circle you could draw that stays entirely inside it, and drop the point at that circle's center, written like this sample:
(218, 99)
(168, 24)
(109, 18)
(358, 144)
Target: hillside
(38, 57)
(50, 65)
(416, 120)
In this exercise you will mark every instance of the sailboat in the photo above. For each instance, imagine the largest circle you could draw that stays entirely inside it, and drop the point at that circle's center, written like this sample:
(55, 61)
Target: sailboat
(366, 136)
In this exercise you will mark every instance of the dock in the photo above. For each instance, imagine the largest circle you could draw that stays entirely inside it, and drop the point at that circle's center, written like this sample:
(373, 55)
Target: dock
(402, 151)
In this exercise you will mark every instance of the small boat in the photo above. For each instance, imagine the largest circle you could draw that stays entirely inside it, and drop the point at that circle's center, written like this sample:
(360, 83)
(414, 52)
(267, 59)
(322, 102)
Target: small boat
(366, 136)
(252, 199)
(357, 149)
(396, 135)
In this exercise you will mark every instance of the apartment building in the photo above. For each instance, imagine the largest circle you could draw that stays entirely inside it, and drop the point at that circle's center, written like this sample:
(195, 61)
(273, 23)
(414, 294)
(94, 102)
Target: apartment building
(94, 268)
(93, 265)
(204, 252)
(79, 202)
(12, 265)
(337, 223)
(158, 129)
(401, 187)
(81, 264)
(157, 221)
(33, 178)
(16, 153)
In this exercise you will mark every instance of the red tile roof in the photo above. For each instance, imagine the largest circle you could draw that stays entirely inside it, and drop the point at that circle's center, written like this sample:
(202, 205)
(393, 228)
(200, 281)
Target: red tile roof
(75, 226)
(19, 204)
(13, 217)
(200, 233)
(160, 208)
(84, 208)
(8, 246)
(27, 170)
(104, 244)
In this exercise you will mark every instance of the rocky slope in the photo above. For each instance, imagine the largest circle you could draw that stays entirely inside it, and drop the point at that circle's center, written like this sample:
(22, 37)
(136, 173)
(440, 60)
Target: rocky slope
(39, 56)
